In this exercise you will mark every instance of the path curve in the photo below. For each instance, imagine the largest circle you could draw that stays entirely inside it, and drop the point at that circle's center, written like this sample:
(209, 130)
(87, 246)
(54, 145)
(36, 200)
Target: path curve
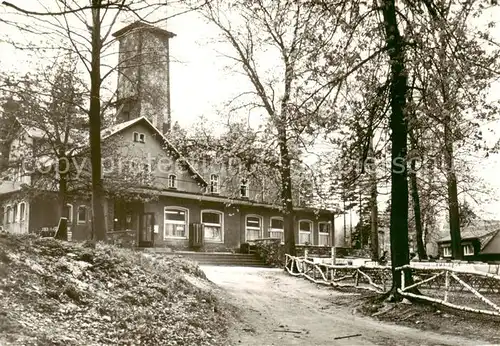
(279, 309)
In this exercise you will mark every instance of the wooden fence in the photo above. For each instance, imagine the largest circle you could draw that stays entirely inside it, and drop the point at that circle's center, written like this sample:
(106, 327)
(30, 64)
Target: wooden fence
(457, 288)
(453, 287)
(376, 278)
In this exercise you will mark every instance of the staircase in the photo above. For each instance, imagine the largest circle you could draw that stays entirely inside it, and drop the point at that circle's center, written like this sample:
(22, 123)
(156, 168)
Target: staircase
(216, 258)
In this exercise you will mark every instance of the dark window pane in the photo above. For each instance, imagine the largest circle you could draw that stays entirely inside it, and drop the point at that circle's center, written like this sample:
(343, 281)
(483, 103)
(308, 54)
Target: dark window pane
(208, 217)
(305, 226)
(277, 223)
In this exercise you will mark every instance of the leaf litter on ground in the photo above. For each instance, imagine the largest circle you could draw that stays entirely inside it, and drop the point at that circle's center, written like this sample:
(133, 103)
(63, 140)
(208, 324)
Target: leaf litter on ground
(64, 293)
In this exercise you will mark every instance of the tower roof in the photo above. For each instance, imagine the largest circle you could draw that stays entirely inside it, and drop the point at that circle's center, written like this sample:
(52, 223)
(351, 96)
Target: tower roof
(143, 26)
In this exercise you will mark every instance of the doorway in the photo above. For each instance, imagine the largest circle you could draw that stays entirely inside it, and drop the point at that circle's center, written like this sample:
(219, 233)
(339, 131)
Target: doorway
(146, 230)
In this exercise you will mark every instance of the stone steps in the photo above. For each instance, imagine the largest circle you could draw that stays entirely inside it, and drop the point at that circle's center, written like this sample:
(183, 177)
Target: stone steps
(215, 258)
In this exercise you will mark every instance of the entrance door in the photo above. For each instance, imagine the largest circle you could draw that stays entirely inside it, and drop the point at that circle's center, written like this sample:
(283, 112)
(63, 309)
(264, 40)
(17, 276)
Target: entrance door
(146, 230)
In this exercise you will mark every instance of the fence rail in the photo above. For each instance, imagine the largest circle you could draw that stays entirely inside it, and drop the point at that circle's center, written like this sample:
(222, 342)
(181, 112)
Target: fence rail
(375, 278)
(453, 287)
(457, 288)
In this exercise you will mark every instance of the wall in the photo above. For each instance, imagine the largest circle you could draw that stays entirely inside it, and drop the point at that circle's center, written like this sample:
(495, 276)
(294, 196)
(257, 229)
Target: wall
(493, 246)
(155, 77)
(144, 75)
(18, 225)
(230, 222)
(44, 212)
(121, 149)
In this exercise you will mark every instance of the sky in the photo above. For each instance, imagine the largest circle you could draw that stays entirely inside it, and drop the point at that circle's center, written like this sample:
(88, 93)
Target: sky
(202, 82)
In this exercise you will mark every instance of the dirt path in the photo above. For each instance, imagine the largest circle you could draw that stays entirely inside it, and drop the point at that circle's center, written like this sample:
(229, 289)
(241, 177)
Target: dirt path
(273, 302)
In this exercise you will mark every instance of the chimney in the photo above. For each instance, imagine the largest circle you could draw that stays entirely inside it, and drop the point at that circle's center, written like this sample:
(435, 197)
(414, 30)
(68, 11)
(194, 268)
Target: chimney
(144, 74)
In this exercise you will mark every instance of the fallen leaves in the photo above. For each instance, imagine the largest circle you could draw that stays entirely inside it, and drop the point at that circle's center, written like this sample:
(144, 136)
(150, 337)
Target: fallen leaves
(62, 293)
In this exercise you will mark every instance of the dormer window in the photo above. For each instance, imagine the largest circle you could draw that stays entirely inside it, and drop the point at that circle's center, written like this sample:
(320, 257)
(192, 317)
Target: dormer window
(244, 188)
(214, 183)
(172, 181)
(139, 137)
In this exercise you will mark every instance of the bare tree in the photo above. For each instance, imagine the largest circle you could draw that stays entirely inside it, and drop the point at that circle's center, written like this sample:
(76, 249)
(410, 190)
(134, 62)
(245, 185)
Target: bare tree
(85, 30)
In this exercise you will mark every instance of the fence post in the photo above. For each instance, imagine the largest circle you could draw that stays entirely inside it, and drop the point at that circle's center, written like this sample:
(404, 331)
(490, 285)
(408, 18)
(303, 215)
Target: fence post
(334, 255)
(446, 285)
(383, 279)
(356, 278)
(402, 279)
(306, 251)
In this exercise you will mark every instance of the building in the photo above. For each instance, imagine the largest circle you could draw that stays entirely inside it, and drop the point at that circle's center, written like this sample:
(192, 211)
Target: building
(480, 242)
(154, 196)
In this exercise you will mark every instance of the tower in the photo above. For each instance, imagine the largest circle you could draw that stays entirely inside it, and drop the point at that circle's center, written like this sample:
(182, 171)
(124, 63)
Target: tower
(144, 74)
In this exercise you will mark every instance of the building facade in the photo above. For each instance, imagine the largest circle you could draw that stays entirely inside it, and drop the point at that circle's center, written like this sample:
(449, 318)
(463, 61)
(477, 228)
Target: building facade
(154, 196)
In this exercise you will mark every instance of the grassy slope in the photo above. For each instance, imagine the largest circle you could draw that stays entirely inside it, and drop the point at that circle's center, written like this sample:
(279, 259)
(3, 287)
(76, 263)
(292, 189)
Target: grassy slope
(58, 293)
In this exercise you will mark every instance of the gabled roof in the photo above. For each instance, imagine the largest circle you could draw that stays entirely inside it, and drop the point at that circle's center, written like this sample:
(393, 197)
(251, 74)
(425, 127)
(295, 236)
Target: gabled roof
(37, 133)
(483, 235)
(116, 129)
(138, 25)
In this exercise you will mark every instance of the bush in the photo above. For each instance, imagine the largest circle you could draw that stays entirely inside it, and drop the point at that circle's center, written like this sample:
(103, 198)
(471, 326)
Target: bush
(271, 251)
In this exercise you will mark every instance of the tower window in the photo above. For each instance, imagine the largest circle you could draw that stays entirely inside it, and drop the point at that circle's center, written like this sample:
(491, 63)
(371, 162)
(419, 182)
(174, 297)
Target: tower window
(244, 188)
(139, 137)
(172, 181)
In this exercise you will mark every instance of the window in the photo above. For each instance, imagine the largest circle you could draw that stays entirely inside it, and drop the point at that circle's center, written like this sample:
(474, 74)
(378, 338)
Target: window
(139, 137)
(276, 228)
(8, 212)
(305, 231)
(214, 183)
(244, 188)
(213, 221)
(253, 227)
(81, 216)
(324, 233)
(22, 211)
(446, 251)
(175, 223)
(172, 181)
(14, 213)
(124, 217)
(68, 212)
(468, 250)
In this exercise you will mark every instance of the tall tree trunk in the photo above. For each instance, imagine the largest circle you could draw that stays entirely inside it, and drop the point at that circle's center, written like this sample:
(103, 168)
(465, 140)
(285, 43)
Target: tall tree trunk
(375, 253)
(451, 181)
(399, 129)
(422, 254)
(98, 224)
(361, 228)
(286, 192)
(345, 225)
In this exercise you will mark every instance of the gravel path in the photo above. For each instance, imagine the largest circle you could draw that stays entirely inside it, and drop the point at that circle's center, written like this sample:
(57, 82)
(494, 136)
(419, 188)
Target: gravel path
(282, 310)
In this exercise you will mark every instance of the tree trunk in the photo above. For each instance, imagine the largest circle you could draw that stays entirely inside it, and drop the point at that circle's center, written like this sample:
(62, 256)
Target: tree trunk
(451, 181)
(422, 254)
(98, 225)
(345, 225)
(286, 192)
(361, 228)
(399, 129)
(62, 234)
(374, 217)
